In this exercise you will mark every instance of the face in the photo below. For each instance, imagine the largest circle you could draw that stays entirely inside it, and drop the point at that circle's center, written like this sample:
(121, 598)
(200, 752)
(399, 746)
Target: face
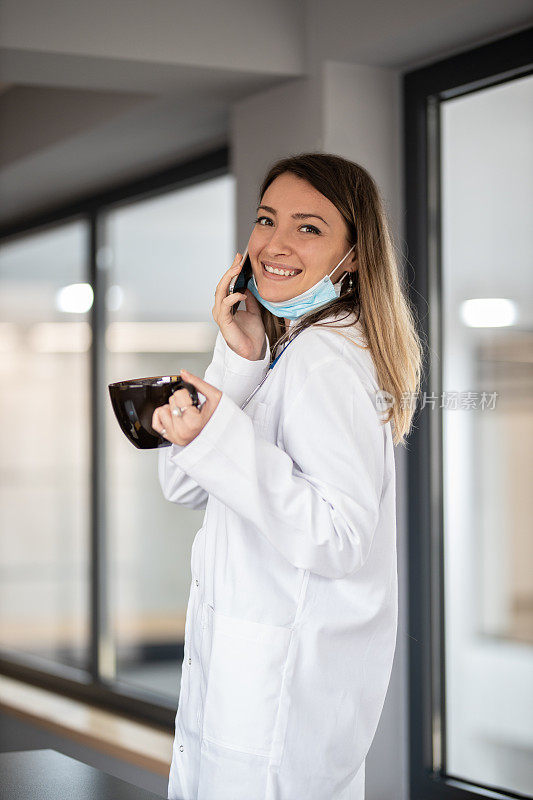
(309, 247)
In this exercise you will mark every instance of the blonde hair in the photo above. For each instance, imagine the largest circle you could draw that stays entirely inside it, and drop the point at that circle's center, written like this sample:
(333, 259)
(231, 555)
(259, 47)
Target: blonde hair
(378, 295)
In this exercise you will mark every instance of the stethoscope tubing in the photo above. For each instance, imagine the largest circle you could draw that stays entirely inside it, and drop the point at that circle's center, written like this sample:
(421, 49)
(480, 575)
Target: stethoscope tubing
(271, 366)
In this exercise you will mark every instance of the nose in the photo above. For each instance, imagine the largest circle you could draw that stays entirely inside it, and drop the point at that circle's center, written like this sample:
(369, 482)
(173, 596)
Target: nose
(277, 243)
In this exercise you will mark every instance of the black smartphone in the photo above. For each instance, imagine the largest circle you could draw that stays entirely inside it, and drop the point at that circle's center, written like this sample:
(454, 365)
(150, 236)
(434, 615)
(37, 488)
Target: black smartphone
(240, 282)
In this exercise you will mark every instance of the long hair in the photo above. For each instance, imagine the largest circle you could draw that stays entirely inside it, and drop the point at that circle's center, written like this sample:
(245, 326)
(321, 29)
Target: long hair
(378, 295)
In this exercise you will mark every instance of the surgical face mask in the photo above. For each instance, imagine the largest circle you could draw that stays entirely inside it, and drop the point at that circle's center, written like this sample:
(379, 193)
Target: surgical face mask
(322, 292)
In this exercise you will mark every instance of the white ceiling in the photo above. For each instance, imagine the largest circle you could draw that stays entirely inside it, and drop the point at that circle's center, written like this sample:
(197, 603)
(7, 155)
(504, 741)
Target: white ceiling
(89, 100)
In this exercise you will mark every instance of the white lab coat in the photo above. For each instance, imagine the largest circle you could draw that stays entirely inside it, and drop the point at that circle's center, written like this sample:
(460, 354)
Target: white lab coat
(292, 616)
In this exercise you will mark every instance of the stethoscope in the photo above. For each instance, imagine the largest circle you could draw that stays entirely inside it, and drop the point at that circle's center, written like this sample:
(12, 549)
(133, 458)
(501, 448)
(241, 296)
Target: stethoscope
(271, 366)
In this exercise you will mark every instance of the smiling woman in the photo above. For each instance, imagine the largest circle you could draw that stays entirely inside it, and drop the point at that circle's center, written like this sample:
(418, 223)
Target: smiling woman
(344, 202)
(289, 256)
(292, 614)
(315, 296)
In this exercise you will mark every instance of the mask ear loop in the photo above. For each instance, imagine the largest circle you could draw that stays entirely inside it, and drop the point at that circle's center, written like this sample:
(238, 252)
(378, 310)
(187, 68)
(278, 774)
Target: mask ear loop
(347, 272)
(340, 262)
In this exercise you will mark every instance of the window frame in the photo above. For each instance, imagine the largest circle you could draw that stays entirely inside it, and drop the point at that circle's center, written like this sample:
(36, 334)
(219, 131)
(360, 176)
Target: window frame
(424, 89)
(90, 685)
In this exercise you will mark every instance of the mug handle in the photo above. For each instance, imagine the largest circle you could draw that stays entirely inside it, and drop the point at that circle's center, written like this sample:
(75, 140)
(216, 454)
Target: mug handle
(179, 383)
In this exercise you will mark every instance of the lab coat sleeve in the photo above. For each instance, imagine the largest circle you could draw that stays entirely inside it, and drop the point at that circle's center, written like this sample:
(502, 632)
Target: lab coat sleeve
(232, 374)
(317, 499)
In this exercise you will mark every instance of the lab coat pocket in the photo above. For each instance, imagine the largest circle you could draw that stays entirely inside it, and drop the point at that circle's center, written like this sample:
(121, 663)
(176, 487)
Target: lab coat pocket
(244, 683)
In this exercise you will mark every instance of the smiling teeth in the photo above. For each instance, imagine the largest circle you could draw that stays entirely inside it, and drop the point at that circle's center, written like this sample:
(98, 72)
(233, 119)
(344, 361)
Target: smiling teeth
(279, 271)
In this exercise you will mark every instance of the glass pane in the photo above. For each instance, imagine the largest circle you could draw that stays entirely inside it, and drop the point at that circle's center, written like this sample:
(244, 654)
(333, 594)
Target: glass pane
(168, 255)
(488, 461)
(44, 458)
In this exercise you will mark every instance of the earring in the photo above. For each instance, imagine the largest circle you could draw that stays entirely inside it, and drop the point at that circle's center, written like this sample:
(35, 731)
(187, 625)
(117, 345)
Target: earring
(350, 282)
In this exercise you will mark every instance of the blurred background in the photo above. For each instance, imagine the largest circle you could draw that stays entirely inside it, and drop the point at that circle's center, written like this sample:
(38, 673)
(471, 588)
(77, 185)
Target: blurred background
(133, 140)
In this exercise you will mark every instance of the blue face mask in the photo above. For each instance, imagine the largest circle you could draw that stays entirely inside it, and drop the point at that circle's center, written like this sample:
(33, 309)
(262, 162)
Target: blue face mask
(322, 292)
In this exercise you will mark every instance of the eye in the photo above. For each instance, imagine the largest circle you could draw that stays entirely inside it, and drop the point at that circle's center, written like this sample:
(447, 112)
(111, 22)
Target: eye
(311, 227)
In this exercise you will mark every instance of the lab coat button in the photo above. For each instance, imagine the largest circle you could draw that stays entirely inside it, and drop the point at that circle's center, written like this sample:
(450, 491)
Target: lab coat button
(190, 662)
(181, 748)
(196, 582)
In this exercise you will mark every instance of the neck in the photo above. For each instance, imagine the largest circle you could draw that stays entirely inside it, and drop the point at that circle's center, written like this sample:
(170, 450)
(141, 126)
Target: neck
(287, 322)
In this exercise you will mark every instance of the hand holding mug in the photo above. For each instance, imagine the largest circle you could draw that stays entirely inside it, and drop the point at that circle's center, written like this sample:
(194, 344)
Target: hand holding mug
(180, 421)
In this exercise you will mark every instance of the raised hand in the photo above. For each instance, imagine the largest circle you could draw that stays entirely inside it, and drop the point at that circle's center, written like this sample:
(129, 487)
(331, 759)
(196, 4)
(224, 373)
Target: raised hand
(243, 331)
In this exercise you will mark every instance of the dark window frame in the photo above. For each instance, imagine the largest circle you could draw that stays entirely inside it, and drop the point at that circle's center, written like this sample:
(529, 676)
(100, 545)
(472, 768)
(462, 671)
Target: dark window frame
(423, 91)
(89, 685)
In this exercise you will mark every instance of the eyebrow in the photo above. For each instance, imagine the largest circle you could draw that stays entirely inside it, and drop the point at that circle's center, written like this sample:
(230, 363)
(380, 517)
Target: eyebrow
(297, 215)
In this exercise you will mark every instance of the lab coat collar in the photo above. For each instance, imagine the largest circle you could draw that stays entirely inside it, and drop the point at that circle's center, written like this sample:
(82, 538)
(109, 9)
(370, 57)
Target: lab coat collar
(331, 318)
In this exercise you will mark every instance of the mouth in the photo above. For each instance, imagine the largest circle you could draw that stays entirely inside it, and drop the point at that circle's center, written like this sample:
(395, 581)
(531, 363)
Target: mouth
(276, 276)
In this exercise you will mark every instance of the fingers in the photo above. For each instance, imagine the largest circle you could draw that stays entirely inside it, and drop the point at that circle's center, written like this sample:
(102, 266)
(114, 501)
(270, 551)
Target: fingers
(183, 428)
(157, 423)
(177, 429)
(180, 399)
(166, 428)
(221, 292)
(205, 388)
(224, 282)
(229, 301)
(252, 306)
(211, 393)
(163, 418)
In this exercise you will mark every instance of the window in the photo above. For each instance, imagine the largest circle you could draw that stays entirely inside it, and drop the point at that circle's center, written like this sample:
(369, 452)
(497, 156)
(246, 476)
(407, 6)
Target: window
(167, 255)
(45, 337)
(487, 314)
(469, 155)
(95, 562)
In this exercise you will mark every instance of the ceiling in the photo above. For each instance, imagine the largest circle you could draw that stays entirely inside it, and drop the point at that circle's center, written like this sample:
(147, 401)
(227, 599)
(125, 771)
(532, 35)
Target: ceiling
(78, 116)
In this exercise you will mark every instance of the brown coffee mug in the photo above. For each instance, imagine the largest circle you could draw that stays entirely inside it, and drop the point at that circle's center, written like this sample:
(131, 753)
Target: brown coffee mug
(135, 401)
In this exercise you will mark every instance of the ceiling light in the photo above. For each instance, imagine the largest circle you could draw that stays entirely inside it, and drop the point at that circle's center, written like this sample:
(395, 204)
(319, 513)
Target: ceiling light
(488, 312)
(77, 298)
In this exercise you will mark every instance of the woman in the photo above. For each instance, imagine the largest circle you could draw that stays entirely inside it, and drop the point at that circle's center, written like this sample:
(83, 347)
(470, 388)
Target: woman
(292, 616)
